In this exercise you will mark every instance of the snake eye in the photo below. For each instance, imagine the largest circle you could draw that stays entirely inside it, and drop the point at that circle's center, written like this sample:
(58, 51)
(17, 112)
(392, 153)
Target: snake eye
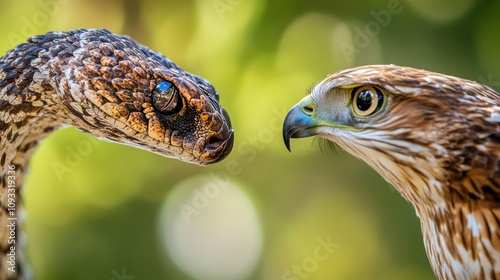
(367, 100)
(166, 98)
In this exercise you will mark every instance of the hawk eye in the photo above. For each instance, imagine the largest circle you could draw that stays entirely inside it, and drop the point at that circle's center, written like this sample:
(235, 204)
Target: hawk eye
(166, 98)
(366, 100)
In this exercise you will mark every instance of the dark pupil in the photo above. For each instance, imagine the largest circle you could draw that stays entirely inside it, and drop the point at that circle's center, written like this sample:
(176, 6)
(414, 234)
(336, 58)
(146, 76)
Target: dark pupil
(365, 99)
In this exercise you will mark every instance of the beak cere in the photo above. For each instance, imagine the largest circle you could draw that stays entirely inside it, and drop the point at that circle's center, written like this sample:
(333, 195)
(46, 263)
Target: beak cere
(298, 124)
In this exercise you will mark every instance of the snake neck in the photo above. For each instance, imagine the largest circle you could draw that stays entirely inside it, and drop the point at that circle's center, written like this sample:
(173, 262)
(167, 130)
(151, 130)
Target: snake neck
(28, 105)
(16, 158)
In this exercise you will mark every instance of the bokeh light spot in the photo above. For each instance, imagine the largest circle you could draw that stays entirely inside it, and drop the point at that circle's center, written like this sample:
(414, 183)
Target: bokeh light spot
(210, 229)
(442, 10)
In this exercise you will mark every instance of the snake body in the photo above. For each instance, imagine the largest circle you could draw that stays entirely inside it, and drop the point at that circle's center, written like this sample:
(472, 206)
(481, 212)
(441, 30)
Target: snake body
(106, 85)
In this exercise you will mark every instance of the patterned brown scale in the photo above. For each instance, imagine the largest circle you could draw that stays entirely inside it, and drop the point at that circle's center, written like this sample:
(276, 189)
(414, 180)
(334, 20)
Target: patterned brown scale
(103, 84)
(435, 139)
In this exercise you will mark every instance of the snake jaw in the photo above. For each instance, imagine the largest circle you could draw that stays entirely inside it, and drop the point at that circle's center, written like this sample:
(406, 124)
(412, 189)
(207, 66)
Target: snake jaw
(217, 149)
(218, 144)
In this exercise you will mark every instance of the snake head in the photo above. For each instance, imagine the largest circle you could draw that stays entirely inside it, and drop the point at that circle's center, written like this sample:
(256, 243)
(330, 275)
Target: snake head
(186, 113)
(122, 91)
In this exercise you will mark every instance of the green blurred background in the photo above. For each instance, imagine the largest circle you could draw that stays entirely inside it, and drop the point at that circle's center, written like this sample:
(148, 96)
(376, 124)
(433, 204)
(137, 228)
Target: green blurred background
(98, 210)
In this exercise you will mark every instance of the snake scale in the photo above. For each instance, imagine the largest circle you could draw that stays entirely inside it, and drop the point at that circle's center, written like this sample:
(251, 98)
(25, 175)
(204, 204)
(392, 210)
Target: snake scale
(106, 85)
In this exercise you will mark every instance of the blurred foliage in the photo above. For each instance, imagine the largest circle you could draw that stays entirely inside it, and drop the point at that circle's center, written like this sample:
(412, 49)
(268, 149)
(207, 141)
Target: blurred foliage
(100, 215)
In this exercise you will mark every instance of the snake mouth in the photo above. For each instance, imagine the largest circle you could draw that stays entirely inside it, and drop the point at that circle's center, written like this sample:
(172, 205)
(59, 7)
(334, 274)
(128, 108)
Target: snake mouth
(219, 144)
(217, 148)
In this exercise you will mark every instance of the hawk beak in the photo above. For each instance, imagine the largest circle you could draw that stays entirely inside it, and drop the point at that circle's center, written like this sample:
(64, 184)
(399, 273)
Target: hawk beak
(299, 123)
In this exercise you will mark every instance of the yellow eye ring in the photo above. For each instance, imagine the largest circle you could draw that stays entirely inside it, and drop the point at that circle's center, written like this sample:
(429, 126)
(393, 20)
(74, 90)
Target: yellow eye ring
(367, 100)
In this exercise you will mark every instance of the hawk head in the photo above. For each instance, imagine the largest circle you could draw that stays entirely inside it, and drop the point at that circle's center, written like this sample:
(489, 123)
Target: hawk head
(434, 137)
